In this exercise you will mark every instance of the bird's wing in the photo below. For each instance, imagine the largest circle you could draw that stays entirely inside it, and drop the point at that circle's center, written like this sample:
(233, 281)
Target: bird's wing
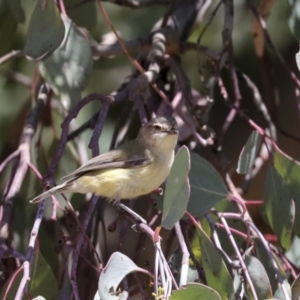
(112, 159)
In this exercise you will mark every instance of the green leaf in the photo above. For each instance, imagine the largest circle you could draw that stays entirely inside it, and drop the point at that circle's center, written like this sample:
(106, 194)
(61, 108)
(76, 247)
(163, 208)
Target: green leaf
(264, 258)
(45, 32)
(279, 207)
(207, 186)
(83, 15)
(215, 269)
(228, 206)
(289, 170)
(69, 67)
(43, 282)
(177, 189)
(249, 153)
(193, 291)
(258, 276)
(16, 10)
(11, 286)
(8, 28)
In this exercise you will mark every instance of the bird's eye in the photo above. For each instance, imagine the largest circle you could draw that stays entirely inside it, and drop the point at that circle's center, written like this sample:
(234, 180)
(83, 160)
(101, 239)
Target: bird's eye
(157, 127)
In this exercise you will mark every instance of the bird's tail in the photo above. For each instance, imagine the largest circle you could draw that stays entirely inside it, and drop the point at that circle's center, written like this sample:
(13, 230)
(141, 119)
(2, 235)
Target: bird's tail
(57, 189)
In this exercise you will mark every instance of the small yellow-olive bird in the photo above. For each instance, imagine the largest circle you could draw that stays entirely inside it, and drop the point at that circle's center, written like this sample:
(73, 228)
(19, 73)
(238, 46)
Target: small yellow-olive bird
(134, 169)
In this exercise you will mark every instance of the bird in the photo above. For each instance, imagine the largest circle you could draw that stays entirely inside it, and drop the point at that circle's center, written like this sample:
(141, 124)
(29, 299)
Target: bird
(129, 171)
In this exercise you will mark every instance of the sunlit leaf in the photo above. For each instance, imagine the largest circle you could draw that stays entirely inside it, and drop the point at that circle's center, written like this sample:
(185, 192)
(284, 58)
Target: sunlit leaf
(296, 288)
(97, 296)
(289, 170)
(195, 291)
(118, 266)
(294, 19)
(249, 153)
(68, 68)
(45, 32)
(207, 186)
(279, 207)
(216, 272)
(177, 190)
(279, 294)
(293, 254)
(264, 258)
(298, 59)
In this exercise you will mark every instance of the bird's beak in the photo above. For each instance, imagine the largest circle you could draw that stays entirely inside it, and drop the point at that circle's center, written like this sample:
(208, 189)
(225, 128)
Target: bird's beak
(173, 131)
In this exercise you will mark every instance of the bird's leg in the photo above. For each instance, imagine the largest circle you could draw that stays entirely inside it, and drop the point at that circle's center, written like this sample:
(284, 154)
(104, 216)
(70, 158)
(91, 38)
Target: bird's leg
(129, 211)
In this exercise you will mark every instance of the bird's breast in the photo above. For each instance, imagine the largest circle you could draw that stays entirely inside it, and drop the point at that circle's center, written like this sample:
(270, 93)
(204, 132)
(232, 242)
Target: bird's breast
(128, 183)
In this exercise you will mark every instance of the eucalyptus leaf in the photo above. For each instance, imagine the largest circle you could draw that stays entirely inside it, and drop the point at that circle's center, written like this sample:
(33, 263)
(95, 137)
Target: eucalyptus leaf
(9, 290)
(207, 186)
(297, 56)
(97, 296)
(279, 207)
(45, 32)
(118, 266)
(84, 15)
(195, 291)
(264, 258)
(294, 19)
(216, 272)
(259, 277)
(42, 280)
(293, 254)
(8, 28)
(231, 207)
(16, 10)
(177, 189)
(289, 170)
(296, 288)
(279, 292)
(249, 153)
(68, 68)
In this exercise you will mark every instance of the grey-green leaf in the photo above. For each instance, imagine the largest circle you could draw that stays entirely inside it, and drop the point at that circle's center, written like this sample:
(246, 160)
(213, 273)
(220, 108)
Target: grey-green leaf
(259, 277)
(249, 153)
(45, 32)
(16, 10)
(177, 189)
(294, 19)
(279, 207)
(69, 67)
(193, 291)
(207, 186)
(279, 292)
(289, 171)
(296, 289)
(264, 258)
(118, 266)
(82, 14)
(215, 269)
